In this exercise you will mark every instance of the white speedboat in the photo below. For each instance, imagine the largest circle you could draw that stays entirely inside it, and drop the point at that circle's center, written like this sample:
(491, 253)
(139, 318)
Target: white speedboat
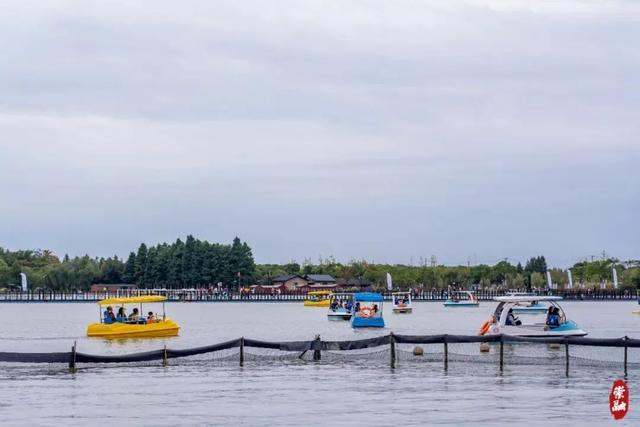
(504, 321)
(462, 299)
(340, 306)
(401, 302)
(533, 307)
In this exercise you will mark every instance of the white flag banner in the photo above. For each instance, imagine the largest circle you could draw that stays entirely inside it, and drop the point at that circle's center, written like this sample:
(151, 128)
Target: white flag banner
(570, 279)
(549, 283)
(23, 279)
(389, 282)
(615, 278)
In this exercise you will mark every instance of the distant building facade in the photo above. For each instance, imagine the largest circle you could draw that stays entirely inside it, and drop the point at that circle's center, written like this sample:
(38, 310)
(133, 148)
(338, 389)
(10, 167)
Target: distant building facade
(320, 281)
(296, 282)
(290, 282)
(359, 282)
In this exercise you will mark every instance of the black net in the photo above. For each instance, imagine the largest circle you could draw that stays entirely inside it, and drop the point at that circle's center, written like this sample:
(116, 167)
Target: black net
(447, 350)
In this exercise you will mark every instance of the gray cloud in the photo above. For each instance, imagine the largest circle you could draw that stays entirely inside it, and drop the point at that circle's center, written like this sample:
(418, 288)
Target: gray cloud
(381, 130)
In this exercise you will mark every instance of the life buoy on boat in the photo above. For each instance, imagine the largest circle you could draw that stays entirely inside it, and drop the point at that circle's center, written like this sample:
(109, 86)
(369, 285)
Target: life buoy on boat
(366, 312)
(485, 327)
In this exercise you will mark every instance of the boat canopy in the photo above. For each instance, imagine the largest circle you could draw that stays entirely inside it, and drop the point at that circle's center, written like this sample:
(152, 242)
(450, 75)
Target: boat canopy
(133, 300)
(526, 298)
(319, 293)
(367, 296)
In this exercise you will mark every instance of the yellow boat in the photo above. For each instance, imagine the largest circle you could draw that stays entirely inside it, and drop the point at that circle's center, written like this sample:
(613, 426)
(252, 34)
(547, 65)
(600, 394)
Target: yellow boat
(317, 299)
(158, 327)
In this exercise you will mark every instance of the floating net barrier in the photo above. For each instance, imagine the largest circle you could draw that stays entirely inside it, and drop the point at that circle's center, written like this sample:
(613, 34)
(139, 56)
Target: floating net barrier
(502, 350)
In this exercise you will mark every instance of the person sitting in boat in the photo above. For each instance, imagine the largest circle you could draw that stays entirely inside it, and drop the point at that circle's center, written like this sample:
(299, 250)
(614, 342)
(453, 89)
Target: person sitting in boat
(357, 307)
(511, 319)
(375, 308)
(334, 305)
(134, 317)
(348, 305)
(553, 319)
(122, 315)
(549, 314)
(109, 317)
(151, 318)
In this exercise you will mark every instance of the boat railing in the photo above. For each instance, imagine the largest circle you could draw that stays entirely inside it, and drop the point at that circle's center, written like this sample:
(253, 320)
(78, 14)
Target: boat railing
(135, 322)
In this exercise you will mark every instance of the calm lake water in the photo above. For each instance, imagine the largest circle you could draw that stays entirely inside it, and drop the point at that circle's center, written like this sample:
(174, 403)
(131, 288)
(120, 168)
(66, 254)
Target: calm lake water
(291, 392)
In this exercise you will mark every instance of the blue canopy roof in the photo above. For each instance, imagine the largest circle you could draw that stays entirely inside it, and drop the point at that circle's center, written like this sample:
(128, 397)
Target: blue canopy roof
(367, 296)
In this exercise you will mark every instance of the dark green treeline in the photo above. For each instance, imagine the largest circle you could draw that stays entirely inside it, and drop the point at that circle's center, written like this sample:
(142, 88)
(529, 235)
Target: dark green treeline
(192, 263)
(197, 263)
(428, 276)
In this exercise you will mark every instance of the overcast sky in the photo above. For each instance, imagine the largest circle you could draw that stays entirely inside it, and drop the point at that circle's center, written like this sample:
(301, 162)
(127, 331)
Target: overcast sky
(383, 130)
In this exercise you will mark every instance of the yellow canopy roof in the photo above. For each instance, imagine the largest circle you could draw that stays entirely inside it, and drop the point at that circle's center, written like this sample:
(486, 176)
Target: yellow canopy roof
(133, 300)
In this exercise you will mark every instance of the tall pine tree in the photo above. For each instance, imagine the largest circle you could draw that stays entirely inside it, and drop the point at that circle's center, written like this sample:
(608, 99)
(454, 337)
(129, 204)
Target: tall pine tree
(129, 275)
(174, 279)
(141, 264)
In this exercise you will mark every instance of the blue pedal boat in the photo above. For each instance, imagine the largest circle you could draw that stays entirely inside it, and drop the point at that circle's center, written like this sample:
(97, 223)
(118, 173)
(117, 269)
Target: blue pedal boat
(367, 310)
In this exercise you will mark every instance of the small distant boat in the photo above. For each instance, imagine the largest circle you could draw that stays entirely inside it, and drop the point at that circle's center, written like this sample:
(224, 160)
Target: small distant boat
(340, 306)
(367, 310)
(533, 307)
(401, 302)
(143, 327)
(317, 299)
(462, 299)
(503, 321)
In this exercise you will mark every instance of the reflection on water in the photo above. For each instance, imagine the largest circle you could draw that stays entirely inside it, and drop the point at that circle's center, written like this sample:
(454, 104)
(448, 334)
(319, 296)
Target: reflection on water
(282, 392)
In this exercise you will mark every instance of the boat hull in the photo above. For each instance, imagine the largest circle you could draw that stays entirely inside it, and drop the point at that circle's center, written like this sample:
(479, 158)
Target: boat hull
(339, 316)
(367, 322)
(166, 328)
(461, 304)
(569, 329)
(402, 309)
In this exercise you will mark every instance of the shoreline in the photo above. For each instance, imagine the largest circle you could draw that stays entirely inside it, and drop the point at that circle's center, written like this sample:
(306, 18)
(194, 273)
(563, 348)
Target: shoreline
(285, 301)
